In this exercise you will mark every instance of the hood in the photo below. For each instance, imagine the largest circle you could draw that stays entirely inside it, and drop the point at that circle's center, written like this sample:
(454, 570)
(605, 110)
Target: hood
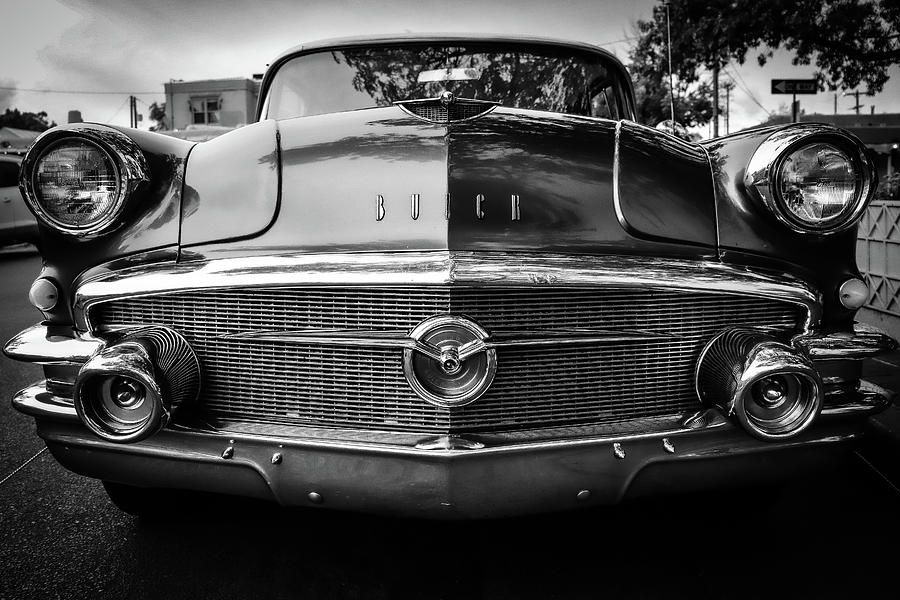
(512, 180)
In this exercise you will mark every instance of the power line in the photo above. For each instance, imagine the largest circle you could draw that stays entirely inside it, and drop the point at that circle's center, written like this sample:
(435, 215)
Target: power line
(118, 110)
(18, 89)
(625, 39)
(746, 89)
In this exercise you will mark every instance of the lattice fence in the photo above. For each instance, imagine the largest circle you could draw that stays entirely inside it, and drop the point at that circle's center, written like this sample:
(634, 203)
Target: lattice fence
(878, 255)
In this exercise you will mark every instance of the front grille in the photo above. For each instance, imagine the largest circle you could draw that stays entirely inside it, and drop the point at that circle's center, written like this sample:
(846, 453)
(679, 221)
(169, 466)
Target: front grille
(440, 113)
(364, 388)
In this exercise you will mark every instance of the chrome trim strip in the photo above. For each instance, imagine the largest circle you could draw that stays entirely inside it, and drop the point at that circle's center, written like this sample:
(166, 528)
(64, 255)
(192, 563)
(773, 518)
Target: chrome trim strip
(402, 339)
(617, 201)
(868, 398)
(864, 341)
(36, 401)
(476, 269)
(37, 345)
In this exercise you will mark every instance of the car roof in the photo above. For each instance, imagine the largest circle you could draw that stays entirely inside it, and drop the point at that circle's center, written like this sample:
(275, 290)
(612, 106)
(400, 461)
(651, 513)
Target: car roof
(343, 42)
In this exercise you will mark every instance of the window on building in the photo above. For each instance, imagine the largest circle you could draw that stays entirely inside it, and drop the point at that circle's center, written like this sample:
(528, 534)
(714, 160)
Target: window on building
(205, 110)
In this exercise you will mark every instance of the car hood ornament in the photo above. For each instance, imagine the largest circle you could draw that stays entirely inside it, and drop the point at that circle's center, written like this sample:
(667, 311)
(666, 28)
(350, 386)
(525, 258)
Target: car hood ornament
(449, 363)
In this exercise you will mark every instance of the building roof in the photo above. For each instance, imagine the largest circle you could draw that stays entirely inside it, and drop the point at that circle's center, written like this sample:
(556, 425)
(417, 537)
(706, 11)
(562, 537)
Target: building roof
(877, 131)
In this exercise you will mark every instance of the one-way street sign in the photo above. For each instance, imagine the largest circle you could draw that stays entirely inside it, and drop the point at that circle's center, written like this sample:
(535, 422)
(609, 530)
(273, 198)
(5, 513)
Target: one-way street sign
(794, 86)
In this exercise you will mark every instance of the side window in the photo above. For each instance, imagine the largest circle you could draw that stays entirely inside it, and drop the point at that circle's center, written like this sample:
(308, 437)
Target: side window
(9, 173)
(603, 104)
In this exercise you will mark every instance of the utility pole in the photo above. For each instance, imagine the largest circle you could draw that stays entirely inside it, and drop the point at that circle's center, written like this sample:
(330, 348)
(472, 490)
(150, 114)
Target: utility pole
(728, 85)
(671, 84)
(856, 95)
(716, 100)
(132, 112)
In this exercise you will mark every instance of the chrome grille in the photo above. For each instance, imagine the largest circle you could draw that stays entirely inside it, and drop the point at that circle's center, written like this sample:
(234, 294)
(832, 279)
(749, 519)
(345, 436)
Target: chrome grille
(309, 384)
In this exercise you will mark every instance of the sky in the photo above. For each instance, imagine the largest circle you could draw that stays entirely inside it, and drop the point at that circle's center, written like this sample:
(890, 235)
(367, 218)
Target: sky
(89, 55)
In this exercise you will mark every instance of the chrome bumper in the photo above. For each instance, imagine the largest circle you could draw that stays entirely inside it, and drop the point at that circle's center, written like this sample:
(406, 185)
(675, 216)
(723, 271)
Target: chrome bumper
(493, 479)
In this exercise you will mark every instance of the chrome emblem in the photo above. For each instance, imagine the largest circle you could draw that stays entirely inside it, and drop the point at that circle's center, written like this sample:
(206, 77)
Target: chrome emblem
(449, 364)
(515, 207)
(446, 98)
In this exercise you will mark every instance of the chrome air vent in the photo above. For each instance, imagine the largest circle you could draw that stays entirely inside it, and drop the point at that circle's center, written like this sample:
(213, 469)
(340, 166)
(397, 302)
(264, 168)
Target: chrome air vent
(446, 108)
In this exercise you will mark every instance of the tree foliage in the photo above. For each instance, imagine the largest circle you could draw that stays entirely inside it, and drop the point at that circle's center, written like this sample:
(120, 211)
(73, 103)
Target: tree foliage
(851, 41)
(693, 101)
(567, 83)
(158, 114)
(26, 120)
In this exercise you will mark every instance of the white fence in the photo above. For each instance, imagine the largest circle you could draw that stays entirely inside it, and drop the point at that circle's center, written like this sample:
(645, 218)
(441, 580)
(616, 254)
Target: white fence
(878, 256)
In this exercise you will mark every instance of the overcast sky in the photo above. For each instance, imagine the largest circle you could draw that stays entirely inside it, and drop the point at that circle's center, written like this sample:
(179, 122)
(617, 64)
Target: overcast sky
(133, 46)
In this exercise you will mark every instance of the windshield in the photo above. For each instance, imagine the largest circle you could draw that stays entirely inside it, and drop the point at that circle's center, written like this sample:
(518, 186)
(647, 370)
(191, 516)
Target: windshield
(545, 78)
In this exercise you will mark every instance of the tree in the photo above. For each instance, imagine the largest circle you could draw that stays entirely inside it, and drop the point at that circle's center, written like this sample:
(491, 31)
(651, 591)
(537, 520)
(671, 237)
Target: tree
(514, 78)
(851, 41)
(158, 114)
(649, 73)
(25, 120)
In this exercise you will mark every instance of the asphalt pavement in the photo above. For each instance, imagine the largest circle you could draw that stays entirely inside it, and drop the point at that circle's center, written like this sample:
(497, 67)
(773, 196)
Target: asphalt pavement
(824, 534)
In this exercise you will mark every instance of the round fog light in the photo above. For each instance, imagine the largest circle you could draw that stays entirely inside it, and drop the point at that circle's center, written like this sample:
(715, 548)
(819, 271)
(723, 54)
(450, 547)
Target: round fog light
(122, 403)
(853, 293)
(781, 403)
(43, 294)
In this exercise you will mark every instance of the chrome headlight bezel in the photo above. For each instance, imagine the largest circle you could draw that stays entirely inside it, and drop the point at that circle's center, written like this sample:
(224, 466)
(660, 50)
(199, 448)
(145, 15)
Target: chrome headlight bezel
(763, 171)
(128, 162)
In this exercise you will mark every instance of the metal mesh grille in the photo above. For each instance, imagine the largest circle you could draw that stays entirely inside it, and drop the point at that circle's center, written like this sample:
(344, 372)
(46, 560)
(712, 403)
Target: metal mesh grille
(437, 112)
(308, 384)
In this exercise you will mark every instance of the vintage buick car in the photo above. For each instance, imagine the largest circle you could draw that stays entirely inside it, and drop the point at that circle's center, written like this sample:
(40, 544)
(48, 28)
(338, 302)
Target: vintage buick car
(446, 277)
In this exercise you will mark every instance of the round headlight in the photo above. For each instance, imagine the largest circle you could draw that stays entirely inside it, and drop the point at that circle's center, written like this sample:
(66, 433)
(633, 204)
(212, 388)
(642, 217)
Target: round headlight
(78, 179)
(77, 185)
(813, 178)
(817, 185)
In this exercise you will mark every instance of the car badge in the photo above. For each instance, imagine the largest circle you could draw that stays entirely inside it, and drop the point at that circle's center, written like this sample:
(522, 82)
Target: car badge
(448, 362)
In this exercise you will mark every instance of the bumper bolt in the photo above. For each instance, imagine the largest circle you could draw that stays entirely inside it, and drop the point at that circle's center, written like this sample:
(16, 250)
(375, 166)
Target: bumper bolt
(276, 458)
(228, 452)
(583, 495)
(315, 497)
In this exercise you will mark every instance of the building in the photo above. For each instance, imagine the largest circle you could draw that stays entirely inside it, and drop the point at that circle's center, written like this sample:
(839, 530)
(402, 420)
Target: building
(217, 102)
(879, 132)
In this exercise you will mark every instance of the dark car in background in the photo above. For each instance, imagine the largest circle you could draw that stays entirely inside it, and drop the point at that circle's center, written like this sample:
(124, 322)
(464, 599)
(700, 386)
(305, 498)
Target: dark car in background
(446, 277)
(17, 224)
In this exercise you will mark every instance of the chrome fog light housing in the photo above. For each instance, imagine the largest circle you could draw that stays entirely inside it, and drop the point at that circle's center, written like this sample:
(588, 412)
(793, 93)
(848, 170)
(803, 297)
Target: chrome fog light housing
(132, 388)
(121, 407)
(770, 388)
